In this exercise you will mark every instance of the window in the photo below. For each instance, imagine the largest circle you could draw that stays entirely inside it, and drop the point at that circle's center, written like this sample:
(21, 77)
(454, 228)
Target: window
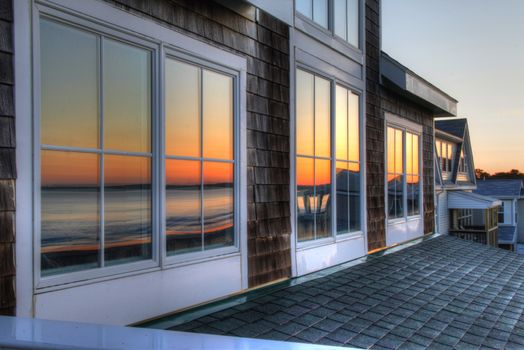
(403, 173)
(465, 218)
(463, 164)
(96, 151)
(199, 158)
(344, 22)
(445, 152)
(315, 163)
(501, 213)
(99, 160)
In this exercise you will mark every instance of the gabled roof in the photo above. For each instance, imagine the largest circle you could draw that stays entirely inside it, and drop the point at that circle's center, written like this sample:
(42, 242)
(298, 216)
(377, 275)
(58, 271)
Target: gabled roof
(457, 131)
(455, 127)
(499, 188)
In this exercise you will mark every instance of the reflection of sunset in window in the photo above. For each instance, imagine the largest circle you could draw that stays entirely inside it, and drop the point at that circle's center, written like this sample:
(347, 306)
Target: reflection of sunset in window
(314, 163)
(199, 128)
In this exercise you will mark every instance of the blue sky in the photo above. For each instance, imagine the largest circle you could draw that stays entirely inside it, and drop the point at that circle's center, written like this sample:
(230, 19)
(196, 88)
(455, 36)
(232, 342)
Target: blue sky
(473, 50)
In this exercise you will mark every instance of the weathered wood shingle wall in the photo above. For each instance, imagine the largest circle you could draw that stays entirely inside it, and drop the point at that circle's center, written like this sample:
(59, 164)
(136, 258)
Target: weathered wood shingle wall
(374, 131)
(7, 162)
(378, 101)
(264, 41)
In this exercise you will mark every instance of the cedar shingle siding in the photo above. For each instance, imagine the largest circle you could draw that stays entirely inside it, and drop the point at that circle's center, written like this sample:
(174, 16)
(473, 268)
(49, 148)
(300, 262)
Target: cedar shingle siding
(374, 131)
(7, 162)
(380, 100)
(264, 41)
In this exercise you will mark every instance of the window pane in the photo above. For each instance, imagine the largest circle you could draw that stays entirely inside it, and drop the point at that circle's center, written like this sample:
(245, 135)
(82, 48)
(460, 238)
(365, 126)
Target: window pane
(391, 150)
(70, 201)
(127, 97)
(305, 7)
(218, 205)
(323, 198)
(409, 153)
(354, 197)
(399, 196)
(342, 183)
(183, 206)
(392, 188)
(354, 127)
(305, 113)
(182, 109)
(353, 24)
(322, 118)
(399, 150)
(413, 195)
(416, 155)
(218, 115)
(340, 18)
(320, 12)
(127, 209)
(342, 123)
(450, 157)
(305, 199)
(69, 86)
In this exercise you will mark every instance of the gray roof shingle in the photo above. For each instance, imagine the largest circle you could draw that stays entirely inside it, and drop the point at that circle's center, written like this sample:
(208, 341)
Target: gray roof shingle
(507, 234)
(499, 188)
(441, 293)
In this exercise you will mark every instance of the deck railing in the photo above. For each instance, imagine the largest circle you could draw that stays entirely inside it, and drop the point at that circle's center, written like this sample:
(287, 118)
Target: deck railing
(477, 234)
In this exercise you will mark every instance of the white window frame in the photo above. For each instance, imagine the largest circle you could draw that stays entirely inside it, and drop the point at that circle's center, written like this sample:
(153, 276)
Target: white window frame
(330, 29)
(416, 129)
(334, 237)
(160, 41)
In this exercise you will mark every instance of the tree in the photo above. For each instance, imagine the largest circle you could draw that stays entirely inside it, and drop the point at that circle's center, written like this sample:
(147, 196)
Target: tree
(481, 174)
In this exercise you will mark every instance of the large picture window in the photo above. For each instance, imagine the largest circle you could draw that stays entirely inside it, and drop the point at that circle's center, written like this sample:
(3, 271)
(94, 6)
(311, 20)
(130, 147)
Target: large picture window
(403, 173)
(317, 210)
(95, 150)
(100, 153)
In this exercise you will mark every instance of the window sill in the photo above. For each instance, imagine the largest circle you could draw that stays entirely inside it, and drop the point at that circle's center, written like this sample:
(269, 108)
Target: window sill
(301, 246)
(65, 281)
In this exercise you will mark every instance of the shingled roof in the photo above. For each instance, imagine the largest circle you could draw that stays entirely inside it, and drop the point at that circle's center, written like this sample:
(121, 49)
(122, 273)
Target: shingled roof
(442, 293)
(499, 188)
(455, 127)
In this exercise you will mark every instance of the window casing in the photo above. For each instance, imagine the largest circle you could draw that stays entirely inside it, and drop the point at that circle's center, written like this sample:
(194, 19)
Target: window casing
(328, 174)
(99, 164)
(340, 17)
(403, 173)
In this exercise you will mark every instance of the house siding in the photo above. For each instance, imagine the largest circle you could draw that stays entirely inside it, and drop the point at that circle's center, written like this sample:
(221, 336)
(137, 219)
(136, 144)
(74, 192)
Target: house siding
(378, 101)
(264, 41)
(374, 131)
(7, 162)
(443, 213)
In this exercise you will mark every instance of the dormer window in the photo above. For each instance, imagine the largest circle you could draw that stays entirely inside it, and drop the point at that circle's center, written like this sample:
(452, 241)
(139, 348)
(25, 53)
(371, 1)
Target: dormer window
(445, 151)
(463, 164)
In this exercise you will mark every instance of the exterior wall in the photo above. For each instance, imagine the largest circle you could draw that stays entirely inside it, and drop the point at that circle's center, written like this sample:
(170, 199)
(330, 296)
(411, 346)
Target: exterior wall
(520, 224)
(7, 162)
(374, 131)
(380, 100)
(396, 104)
(264, 40)
(443, 213)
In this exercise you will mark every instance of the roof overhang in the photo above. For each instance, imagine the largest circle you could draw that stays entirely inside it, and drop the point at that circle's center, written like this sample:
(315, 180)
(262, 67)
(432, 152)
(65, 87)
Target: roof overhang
(399, 78)
(468, 200)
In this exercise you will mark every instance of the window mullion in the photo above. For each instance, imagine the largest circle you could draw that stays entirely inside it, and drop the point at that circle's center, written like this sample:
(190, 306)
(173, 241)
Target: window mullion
(201, 106)
(102, 157)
